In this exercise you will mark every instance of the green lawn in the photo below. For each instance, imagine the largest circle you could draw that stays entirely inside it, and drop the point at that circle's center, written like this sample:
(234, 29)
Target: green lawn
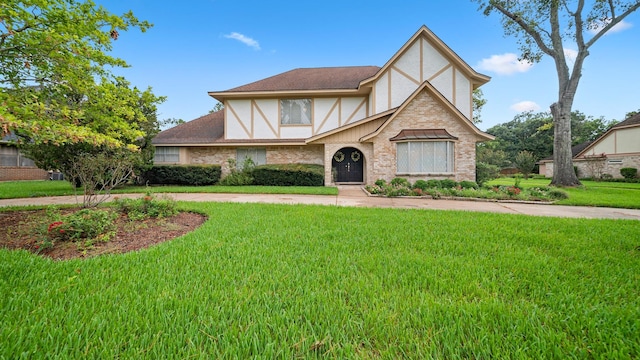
(591, 193)
(283, 281)
(25, 189)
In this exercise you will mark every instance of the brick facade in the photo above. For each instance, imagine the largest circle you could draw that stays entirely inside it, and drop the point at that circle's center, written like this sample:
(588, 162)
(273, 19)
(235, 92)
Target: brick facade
(425, 112)
(11, 173)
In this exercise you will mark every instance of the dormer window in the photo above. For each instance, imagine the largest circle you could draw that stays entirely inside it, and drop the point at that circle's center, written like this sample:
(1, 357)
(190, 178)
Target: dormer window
(295, 112)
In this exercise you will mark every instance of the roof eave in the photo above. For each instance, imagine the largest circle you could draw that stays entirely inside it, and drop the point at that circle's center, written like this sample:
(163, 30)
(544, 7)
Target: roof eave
(222, 95)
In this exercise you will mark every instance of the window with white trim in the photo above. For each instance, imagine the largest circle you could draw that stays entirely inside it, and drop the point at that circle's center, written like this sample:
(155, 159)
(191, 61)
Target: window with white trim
(167, 154)
(295, 111)
(425, 157)
(258, 155)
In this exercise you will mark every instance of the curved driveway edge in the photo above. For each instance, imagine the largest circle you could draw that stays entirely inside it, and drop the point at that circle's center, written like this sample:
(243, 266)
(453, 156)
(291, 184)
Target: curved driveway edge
(355, 196)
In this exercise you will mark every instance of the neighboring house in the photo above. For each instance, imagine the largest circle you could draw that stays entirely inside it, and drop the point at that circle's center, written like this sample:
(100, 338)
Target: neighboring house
(410, 118)
(617, 148)
(14, 165)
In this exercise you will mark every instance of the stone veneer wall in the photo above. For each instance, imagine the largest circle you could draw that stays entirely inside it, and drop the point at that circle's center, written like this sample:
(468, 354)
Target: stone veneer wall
(312, 154)
(425, 112)
(632, 161)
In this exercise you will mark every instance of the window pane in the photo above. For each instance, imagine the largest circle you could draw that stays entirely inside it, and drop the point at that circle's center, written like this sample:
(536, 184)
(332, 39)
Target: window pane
(258, 155)
(8, 156)
(167, 154)
(440, 157)
(402, 156)
(422, 157)
(295, 111)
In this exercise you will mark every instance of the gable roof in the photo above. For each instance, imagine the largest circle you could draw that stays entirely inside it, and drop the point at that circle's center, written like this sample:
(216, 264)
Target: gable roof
(203, 130)
(631, 121)
(438, 96)
(304, 79)
(476, 77)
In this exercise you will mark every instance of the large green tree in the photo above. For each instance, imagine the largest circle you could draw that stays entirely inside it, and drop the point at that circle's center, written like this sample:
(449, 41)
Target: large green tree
(533, 132)
(545, 27)
(56, 84)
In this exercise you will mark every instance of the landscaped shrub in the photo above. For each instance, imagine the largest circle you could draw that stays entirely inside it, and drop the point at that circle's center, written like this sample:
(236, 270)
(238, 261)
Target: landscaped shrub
(486, 172)
(629, 172)
(400, 182)
(448, 183)
(239, 177)
(85, 226)
(183, 175)
(434, 184)
(381, 182)
(558, 194)
(421, 184)
(401, 191)
(148, 206)
(466, 184)
(288, 175)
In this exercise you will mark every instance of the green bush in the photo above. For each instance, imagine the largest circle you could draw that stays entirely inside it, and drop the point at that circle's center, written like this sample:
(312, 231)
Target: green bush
(183, 175)
(468, 184)
(381, 182)
(558, 194)
(486, 172)
(400, 182)
(421, 184)
(145, 207)
(629, 172)
(82, 225)
(448, 183)
(434, 184)
(288, 175)
(239, 177)
(401, 191)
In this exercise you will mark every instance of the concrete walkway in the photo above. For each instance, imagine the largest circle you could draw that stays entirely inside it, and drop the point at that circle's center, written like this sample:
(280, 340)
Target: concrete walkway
(355, 196)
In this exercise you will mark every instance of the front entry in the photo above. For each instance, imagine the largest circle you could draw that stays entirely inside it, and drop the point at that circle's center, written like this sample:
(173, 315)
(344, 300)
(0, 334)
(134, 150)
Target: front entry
(348, 165)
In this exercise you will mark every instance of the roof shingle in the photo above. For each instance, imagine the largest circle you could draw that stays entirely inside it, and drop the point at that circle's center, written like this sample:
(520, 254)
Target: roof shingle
(327, 78)
(203, 130)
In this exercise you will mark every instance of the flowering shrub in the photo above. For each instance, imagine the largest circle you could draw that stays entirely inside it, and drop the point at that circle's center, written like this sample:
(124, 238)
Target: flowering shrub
(146, 207)
(85, 224)
(469, 189)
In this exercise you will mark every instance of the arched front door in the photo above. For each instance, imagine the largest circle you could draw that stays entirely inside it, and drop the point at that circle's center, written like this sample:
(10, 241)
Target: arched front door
(348, 165)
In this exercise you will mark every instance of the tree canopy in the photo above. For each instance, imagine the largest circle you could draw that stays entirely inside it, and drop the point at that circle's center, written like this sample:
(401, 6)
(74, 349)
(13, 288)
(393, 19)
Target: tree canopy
(546, 27)
(56, 87)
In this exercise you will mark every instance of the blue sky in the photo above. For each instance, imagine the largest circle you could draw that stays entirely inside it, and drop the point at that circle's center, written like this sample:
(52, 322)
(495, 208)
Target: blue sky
(213, 45)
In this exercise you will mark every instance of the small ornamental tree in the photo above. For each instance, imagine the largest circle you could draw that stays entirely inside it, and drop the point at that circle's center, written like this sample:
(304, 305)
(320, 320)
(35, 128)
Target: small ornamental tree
(525, 162)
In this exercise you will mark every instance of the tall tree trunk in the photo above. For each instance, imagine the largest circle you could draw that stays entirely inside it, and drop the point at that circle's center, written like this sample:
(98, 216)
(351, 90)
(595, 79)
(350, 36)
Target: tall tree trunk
(563, 172)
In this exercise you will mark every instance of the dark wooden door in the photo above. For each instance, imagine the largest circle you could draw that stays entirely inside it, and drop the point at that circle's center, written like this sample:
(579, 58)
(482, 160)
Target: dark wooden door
(348, 164)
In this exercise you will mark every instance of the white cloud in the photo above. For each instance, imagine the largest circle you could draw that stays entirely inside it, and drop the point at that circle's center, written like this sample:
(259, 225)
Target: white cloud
(244, 39)
(621, 26)
(524, 106)
(505, 64)
(570, 54)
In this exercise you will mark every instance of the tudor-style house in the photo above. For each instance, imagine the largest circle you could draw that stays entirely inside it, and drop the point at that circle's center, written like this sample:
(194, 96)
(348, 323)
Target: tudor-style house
(410, 118)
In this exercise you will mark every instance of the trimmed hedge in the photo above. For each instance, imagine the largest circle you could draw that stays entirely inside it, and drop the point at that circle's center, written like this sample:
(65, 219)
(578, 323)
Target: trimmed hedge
(194, 175)
(288, 175)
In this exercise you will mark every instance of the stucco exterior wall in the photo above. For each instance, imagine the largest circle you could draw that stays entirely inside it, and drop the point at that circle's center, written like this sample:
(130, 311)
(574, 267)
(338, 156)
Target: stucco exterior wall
(424, 112)
(421, 62)
(260, 118)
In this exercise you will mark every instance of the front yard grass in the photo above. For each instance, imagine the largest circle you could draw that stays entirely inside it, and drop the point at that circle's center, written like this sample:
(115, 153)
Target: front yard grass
(591, 193)
(39, 188)
(295, 281)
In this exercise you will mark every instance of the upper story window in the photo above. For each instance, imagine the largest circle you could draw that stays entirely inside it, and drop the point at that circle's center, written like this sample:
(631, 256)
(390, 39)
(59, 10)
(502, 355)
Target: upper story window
(166, 154)
(295, 112)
